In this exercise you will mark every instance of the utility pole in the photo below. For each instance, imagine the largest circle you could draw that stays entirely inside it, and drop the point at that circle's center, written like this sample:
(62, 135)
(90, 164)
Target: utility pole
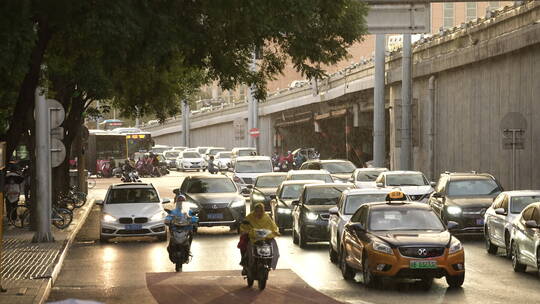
(379, 141)
(406, 94)
(43, 170)
(253, 106)
(185, 123)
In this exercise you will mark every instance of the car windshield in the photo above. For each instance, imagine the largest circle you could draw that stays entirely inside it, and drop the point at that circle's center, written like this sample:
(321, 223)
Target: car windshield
(406, 180)
(191, 155)
(323, 195)
(367, 176)
(159, 150)
(132, 196)
(291, 191)
(214, 151)
(246, 152)
(404, 219)
(269, 181)
(520, 202)
(170, 155)
(474, 187)
(323, 177)
(338, 167)
(354, 202)
(201, 150)
(253, 166)
(210, 185)
(224, 155)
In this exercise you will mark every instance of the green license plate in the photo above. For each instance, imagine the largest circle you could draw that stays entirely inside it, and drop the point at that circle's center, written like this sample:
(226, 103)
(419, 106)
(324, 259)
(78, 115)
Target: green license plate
(423, 264)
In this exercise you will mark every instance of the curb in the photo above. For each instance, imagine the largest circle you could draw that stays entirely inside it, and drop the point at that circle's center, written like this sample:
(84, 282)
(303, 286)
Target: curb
(44, 291)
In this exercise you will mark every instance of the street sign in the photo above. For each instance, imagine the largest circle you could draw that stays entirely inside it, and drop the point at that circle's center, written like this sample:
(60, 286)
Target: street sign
(239, 126)
(511, 121)
(57, 113)
(254, 132)
(518, 143)
(399, 18)
(58, 152)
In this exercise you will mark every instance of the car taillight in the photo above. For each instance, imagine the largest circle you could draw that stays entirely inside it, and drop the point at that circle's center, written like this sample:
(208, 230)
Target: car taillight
(237, 179)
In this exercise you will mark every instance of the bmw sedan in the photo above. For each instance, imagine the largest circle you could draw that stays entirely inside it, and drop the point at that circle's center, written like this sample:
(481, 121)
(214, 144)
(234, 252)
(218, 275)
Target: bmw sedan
(216, 198)
(525, 243)
(133, 209)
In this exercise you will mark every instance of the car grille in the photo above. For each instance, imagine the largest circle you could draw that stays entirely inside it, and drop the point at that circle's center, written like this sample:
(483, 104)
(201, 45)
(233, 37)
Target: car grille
(325, 216)
(473, 212)
(140, 220)
(417, 197)
(139, 231)
(125, 220)
(421, 252)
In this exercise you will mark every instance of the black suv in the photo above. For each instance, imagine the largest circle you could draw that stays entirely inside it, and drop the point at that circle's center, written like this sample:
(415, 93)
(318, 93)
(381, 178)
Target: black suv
(464, 199)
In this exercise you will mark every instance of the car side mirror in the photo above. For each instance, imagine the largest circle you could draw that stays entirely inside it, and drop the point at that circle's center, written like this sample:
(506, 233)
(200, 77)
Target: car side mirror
(500, 211)
(165, 200)
(452, 225)
(246, 191)
(432, 184)
(531, 224)
(99, 202)
(380, 185)
(333, 211)
(295, 203)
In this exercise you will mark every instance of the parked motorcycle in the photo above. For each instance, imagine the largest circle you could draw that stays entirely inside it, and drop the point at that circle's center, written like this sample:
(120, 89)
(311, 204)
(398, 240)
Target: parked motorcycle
(130, 177)
(260, 262)
(181, 230)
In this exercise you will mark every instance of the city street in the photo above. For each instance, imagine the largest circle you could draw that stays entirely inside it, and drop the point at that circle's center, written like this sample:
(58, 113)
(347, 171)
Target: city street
(118, 272)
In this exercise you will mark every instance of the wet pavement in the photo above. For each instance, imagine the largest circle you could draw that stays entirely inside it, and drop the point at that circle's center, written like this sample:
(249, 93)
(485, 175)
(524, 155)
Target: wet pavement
(116, 272)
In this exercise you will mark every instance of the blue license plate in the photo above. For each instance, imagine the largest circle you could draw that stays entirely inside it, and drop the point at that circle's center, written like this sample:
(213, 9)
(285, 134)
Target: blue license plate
(480, 222)
(214, 216)
(133, 227)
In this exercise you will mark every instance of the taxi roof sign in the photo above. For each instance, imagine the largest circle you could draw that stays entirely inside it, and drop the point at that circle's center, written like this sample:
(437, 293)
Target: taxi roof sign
(395, 196)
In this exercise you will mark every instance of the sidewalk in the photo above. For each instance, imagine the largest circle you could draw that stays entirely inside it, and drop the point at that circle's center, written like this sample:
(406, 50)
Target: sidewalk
(29, 269)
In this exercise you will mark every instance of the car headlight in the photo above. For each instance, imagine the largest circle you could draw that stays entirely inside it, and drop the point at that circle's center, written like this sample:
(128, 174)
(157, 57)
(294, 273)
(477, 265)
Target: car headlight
(238, 203)
(190, 205)
(158, 216)
(453, 210)
(284, 210)
(109, 218)
(455, 246)
(382, 247)
(312, 216)
(258, 197)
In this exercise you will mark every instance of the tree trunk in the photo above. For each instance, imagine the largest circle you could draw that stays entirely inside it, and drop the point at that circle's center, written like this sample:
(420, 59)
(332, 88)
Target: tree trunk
(25, 101)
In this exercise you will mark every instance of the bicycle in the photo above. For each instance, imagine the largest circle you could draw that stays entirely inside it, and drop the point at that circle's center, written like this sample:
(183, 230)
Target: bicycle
(60, 217)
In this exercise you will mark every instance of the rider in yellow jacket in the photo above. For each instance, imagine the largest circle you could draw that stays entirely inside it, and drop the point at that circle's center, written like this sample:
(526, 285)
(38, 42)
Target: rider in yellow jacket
(258, 219)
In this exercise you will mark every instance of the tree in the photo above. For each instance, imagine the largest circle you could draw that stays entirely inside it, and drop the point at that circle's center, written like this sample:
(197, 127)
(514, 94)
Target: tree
(149, 54)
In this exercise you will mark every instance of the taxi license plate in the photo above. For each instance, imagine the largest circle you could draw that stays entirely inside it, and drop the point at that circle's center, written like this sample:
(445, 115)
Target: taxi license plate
(421, 264)
(214, 216)
(133, 227)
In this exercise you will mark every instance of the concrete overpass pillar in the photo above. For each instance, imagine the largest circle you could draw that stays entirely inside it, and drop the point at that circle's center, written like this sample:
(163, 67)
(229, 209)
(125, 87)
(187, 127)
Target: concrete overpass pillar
(406, 94)
(253, 106)
(379, 141)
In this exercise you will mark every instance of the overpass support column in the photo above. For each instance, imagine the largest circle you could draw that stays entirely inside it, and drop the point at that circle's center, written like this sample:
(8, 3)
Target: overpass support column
(379, 141)
(185, 123)
(253, 106)
(406, 94)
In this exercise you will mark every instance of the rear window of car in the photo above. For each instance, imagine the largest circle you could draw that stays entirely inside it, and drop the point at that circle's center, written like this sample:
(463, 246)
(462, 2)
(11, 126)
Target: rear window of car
(131, 196)
(404, 220)
(473, 187)
(191, 155)
(291, 191)
(323, 177)
(323, 195)
(269, 181)
(245, 152)
(353, 202)
(367, 176)
(338, 167)
(520, 202)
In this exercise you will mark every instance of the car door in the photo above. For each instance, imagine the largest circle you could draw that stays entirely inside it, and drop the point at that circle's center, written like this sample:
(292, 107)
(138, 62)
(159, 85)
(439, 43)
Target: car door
(491, 220)
(499, 220)
(333, 223)
(297, 210)
(526, 244)
(357, 246)
(437, 198)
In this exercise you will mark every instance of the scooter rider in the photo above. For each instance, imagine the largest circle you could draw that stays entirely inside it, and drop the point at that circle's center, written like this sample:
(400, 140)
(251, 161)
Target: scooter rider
(257, 219)
(180, 215)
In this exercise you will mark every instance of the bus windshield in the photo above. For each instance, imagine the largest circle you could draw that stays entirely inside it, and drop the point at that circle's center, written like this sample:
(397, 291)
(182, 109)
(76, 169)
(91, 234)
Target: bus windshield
(110, 147)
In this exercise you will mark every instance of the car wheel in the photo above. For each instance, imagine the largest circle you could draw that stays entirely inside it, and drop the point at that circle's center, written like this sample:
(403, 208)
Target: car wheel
(490, 247)
(346, 271)
(333, 254)
(507, 244)
(455, 281)
(370, 280)
(426, 283)
(518, 267)
(302, 239)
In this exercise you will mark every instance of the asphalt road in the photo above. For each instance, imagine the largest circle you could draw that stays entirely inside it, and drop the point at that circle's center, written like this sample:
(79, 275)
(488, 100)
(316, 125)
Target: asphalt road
(116, 272)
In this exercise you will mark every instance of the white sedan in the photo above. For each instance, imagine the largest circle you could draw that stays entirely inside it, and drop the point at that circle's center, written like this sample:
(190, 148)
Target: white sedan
(133, 209)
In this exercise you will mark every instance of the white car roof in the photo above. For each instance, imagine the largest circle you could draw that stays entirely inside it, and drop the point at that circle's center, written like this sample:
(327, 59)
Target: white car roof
(401, 172)
(522, 193)
(300, 172)
(248, 158)
(133, 186)
(371, 169)
(302, 182)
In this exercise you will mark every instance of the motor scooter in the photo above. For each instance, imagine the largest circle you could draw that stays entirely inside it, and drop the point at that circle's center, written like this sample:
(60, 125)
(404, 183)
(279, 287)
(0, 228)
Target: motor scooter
(181, 230)
(259, 263)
